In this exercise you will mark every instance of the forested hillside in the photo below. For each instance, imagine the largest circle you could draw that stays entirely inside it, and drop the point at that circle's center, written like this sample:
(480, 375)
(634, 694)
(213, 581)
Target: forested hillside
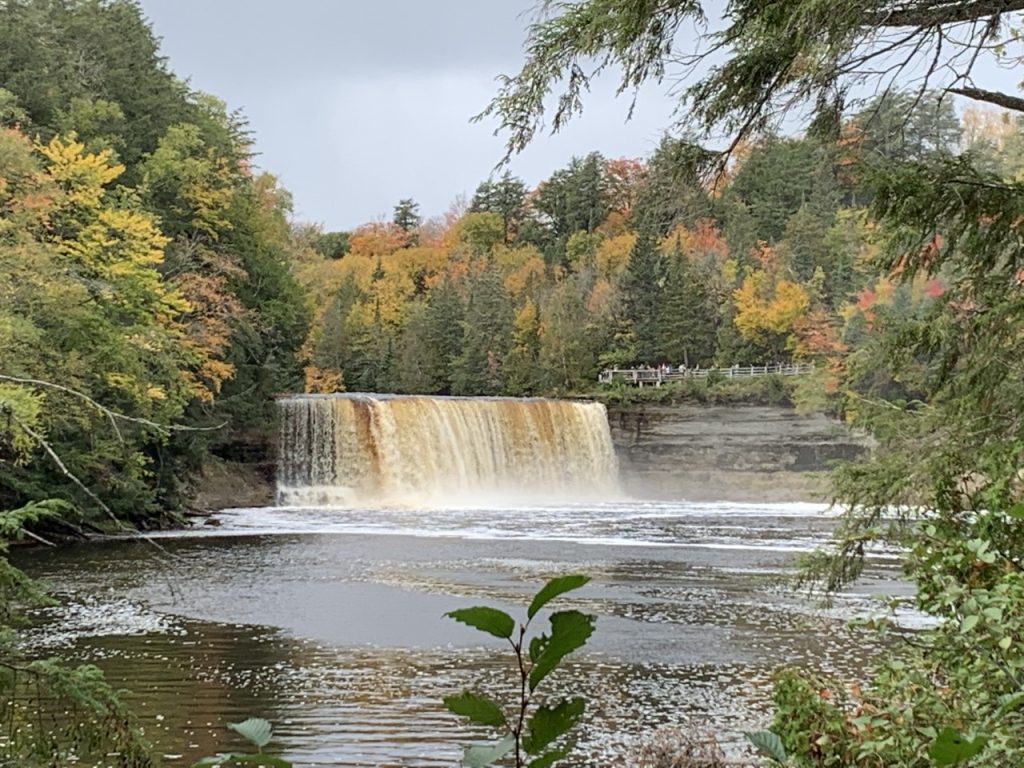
(144, 266)
(650, 261)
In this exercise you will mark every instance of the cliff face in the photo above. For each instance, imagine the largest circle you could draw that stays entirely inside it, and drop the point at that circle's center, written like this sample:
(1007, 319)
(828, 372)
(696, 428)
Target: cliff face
(730, 453)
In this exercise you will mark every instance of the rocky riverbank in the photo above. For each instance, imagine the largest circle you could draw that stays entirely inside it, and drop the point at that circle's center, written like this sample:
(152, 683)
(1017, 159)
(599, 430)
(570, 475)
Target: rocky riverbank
(736, 452)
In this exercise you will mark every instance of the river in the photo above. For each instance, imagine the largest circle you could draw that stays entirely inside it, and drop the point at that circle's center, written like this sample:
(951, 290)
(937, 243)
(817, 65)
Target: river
(328, 622)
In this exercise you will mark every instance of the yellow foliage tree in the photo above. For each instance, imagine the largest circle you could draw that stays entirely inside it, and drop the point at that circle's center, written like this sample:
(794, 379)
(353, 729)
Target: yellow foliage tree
(767, 310)
(612, 255)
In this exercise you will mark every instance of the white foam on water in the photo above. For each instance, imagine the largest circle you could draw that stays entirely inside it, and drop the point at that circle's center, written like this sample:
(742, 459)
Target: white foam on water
(773, 527)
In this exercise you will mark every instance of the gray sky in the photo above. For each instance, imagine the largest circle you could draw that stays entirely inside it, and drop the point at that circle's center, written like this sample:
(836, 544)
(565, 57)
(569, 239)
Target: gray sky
(355, 105)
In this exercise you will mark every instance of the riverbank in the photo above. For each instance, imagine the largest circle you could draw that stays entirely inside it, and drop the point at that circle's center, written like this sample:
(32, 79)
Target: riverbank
(224, 484)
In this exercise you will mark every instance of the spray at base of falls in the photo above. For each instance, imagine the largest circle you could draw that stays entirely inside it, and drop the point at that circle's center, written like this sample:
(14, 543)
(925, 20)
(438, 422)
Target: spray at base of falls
(373, 450)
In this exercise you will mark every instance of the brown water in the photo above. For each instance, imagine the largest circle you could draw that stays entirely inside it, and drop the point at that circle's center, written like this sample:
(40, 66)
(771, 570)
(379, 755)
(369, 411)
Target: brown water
(351, 449)
(329, 622)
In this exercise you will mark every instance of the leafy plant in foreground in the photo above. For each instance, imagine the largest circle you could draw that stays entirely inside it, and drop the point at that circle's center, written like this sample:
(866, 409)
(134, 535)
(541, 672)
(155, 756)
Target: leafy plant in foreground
(528, 731)
(258, 732)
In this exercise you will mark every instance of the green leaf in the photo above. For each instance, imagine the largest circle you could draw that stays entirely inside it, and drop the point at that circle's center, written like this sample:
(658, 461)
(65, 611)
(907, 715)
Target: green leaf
(968, 623)
(477, 708)
(1017, 511)
(1010, 702)
(490, 620)
(951, 747)
(993, 613)
(551, 757)
(554, 588)
(485, 754)
(769, 745)
(569, 631)
(246, 758)
(255, 729)
(550, 723)
(1005, 643)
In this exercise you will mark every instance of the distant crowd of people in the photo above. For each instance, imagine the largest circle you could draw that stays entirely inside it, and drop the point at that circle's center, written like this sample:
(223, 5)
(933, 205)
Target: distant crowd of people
(644, 371)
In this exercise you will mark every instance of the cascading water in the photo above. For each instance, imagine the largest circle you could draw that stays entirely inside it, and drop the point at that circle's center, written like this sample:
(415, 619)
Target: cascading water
(357, 449)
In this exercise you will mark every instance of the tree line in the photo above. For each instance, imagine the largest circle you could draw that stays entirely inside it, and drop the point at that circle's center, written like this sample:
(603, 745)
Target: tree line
(618, 262)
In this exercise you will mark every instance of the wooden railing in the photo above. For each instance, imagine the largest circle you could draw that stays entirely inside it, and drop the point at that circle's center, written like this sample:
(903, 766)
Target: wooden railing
(639, 377)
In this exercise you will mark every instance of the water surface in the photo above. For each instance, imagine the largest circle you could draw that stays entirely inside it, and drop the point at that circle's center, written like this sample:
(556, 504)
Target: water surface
(329, 623)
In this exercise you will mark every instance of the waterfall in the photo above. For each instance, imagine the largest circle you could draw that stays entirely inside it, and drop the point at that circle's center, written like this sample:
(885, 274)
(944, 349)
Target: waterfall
(358, 449)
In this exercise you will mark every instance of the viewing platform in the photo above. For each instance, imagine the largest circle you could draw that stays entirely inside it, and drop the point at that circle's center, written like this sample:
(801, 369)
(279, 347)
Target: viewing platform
(639, 377)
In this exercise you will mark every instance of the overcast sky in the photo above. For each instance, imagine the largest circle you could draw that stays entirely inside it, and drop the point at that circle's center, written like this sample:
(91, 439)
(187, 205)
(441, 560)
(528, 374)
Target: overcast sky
(355, 105)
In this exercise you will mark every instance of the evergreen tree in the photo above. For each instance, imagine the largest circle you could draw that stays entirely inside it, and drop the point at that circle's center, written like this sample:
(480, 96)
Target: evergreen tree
(778, 177)
(505, 197)
(642, 288)
(407, 218)
(59, 58)
(407, 215)
(905, 126)
(804, 248)
(672, 192)
(574, 199)
(444, 335)
(487, 336)
(686, 324)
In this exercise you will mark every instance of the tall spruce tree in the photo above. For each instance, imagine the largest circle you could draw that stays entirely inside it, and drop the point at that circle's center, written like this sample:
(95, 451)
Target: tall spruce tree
(487, 338)
(643, 285)
(686, 315)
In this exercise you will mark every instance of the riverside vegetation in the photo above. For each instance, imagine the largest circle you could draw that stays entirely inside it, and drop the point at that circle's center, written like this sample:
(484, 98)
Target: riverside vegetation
(154, 294)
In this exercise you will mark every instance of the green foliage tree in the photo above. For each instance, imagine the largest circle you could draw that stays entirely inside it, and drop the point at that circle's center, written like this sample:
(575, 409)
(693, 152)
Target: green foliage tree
(487, 336)
(332, 245)
(573, 199)
(906, 126)
(642, 286)
(407, 217)
(804, 248)
(568, 343)
(505, 197)
(672, 192)
(182, 257)
(686, 314)
(777, 179)
(66, 60)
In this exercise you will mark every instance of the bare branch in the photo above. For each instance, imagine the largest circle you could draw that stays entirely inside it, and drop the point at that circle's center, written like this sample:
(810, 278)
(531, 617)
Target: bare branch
(37, 537)
(114, 416)
(1004, 100)
(927, 14)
